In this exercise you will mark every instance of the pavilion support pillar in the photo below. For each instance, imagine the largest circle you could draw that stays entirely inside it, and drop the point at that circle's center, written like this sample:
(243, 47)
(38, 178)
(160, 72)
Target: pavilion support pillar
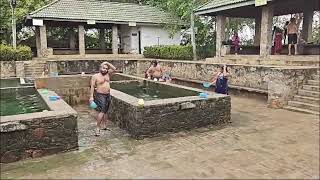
(41, 40)
(38, 44)
(115, 39)
(82, 50)
(266, 30)
(221, 33)
(257, 31)
(72, 39)
(307, 25)
(102, 38)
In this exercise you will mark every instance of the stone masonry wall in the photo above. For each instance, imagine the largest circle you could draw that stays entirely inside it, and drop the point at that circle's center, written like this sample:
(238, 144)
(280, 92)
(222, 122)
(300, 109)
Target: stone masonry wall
(285, 84)
(169, 117)
(73, 89)
(37, 137)
(281, 83)
(89, 66)
(252, 77)
(247, 76)
(8, 69)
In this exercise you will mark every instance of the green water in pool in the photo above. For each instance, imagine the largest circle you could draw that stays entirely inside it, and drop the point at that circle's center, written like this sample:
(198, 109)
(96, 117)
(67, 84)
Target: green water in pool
(151, 91)
(20, 102)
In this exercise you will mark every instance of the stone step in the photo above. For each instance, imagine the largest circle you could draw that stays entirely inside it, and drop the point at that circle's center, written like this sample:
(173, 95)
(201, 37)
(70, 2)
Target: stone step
(290, 108)
(26, 73)
(307, 93)
(303, 105)
(33, 66)
(33, 69)
(313, 82)
(33, 72)
(33, 75)
(315, 77)
(311, 88)
(305, 99)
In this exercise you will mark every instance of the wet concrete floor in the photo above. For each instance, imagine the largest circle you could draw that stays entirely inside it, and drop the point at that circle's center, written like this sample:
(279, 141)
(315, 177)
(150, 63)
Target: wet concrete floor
(260, 143)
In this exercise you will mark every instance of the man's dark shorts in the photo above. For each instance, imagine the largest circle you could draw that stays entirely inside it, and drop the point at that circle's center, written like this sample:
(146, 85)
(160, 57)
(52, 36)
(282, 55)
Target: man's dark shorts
(292, 38)
(103, 102)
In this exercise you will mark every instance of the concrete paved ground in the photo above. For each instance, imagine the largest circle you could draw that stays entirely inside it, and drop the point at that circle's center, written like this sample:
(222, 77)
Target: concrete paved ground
(260, 143)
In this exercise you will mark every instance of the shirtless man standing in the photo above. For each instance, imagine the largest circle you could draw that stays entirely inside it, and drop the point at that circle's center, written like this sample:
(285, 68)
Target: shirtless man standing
(100, 94)
(293, 29)
(155, 71)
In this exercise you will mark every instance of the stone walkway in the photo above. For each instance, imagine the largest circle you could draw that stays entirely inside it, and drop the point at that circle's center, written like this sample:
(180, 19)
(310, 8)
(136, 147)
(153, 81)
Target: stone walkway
(260, 143)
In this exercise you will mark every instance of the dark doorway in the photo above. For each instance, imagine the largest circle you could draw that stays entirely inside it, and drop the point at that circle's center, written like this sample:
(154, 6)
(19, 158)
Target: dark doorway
(139, 37)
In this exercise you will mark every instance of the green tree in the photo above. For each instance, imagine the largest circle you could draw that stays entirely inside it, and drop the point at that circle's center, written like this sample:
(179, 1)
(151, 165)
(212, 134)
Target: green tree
(23, 8)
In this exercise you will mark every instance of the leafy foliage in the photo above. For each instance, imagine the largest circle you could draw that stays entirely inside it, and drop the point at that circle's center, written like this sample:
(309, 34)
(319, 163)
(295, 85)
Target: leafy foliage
(22, 53)
(169, 52)
(24, 7)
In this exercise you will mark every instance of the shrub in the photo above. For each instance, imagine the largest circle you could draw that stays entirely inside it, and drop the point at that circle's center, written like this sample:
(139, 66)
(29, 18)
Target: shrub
(8, 53)
(169, 52)
(178, 52)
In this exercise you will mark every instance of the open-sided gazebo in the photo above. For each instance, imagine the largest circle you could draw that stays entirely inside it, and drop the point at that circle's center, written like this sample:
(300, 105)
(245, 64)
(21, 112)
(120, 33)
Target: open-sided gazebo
(134, 25)
(263, 15)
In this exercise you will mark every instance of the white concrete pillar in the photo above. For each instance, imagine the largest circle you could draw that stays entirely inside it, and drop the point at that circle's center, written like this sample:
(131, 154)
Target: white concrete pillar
(38, 43)
(114, 39)
(307, 25)
(221, 33)
(257, 31)
(82, 50)
(41, 40)
(266, 30)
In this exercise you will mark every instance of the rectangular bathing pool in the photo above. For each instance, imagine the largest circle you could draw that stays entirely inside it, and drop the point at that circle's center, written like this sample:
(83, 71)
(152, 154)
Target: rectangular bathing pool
(33, 126)
(167, 107)
(20, 101)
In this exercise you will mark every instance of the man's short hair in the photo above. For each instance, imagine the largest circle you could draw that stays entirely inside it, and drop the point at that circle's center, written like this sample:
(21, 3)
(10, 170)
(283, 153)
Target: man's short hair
(104, 63)
(292, 19)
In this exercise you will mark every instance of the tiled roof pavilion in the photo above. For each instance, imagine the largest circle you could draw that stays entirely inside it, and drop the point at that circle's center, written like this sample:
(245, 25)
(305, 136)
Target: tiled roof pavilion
(102, 12)
(263, 15)
(246, 8)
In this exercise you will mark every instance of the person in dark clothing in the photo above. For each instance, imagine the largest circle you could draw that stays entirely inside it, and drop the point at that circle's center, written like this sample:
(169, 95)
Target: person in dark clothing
(285, 32)
(221, 81)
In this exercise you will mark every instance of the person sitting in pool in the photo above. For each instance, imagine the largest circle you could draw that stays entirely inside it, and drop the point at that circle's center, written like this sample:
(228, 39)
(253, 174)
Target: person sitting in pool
(100, 94)
(221, 81)
(45, 72)
(155, 71)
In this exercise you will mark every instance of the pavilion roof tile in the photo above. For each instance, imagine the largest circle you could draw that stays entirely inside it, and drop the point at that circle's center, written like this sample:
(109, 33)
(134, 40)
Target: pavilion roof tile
(213, 4)
(100, 10)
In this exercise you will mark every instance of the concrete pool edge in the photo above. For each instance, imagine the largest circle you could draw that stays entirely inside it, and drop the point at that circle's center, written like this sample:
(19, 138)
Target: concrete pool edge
(168, 115)
(39, 134)
(57, 108)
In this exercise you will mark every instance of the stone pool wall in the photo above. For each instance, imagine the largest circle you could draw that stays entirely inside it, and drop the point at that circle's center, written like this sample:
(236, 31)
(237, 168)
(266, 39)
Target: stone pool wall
(11, 69)
(254, 78)
(38, 134)
(168, 115)
(280, 83)
(74, 89)
(89, 66)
